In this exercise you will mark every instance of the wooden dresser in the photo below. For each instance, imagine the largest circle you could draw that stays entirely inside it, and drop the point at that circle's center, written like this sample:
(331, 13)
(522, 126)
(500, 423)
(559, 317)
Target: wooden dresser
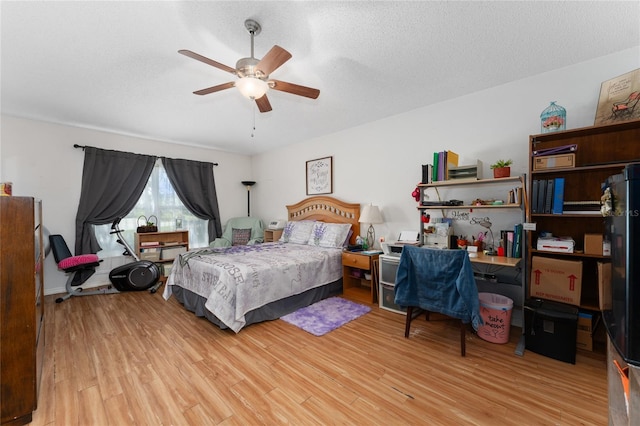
(21, 307)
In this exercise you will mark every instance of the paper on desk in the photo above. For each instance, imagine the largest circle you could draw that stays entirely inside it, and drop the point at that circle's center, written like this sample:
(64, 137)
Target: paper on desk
(410, 236)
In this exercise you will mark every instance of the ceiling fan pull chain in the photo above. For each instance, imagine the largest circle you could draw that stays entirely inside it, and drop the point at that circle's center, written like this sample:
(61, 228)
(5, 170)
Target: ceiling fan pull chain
(254, 120)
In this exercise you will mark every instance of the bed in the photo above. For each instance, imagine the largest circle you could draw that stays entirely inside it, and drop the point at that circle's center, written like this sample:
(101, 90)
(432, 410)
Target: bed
(241, 285)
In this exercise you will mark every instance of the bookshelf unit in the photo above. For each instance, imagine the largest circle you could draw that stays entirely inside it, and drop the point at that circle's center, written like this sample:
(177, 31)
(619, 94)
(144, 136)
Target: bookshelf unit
(518, 204)
(158, 247)
(601, 151)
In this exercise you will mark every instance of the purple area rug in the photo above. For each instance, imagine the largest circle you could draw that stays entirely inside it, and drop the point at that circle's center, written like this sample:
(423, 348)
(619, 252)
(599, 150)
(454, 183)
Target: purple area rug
(325, 315)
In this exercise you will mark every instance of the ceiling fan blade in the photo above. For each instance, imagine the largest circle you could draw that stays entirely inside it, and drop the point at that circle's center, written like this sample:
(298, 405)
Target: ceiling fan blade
(217, 88)
(207, 61)
(263, 104)
(295, 89)
(272, 60)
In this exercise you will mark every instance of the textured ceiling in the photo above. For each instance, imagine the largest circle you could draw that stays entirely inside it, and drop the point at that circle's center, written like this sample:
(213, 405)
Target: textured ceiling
(114, 66)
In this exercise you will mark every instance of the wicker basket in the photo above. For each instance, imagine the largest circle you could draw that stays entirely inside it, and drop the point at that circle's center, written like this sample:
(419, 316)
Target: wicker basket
(147, 225)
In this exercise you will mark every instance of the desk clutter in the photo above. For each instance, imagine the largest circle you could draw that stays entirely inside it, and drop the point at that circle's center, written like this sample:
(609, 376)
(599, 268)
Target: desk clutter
(439, 234)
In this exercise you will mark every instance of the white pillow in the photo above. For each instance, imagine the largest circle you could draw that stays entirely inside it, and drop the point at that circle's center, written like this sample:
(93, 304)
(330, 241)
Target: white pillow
(329, 234)
(297, 232)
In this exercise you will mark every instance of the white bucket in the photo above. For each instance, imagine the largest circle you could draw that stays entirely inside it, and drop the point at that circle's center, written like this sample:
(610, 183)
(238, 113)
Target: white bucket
(495, 310)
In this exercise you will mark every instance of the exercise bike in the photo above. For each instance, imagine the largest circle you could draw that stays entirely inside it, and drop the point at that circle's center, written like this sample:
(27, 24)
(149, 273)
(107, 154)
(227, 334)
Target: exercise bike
(135, 276)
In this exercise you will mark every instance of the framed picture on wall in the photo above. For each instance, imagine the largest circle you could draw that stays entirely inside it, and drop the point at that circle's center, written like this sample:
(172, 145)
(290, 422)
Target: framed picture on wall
(619, 99)
(320, 176)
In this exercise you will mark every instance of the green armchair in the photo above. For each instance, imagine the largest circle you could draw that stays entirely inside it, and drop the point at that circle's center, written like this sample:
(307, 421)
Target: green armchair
(240, 231)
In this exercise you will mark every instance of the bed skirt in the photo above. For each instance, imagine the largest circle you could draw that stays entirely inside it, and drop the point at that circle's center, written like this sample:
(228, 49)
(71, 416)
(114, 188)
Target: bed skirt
(268, 312)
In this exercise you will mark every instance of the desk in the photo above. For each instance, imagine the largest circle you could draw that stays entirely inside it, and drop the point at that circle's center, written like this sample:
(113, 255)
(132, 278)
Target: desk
(496, 260)
(500, 275)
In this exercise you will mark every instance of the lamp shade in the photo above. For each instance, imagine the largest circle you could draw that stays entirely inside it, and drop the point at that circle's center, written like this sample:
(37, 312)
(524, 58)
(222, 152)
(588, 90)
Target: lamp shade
(251, 87)
(370, 214)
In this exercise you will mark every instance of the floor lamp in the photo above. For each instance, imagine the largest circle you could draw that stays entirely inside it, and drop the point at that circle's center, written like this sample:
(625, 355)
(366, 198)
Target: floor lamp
(248, 184)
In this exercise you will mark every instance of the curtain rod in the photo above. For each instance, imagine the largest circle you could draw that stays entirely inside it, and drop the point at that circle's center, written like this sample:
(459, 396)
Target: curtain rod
(75, 145)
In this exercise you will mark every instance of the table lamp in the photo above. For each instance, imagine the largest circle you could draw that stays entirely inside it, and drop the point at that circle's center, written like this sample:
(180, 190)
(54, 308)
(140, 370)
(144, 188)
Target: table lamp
(487, 224)
(371, 215)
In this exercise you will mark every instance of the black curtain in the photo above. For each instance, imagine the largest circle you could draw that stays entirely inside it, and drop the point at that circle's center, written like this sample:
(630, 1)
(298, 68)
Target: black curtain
(193, 182)
(112, 183)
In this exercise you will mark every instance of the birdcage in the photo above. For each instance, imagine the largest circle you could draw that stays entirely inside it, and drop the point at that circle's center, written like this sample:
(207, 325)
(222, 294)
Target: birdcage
(553, 118)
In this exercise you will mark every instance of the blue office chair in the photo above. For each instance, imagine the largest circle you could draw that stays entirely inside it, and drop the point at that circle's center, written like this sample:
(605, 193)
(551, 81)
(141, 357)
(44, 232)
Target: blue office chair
(438, 281)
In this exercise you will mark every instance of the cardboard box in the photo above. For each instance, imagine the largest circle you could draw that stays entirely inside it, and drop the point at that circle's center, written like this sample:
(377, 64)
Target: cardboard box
(550, 162)
(555, 279)
(584, 337)
(604, 285)
(585, 322)
(556, 244)
(584, 340)
(593, 244)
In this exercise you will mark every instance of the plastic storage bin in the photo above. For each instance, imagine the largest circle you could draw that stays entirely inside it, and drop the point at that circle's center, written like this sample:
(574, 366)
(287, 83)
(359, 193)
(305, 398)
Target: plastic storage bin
(495, 310)
(387, 299)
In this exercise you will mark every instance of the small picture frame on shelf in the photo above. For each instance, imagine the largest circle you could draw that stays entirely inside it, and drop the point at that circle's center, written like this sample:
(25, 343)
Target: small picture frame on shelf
(619, 99)
(320, 176)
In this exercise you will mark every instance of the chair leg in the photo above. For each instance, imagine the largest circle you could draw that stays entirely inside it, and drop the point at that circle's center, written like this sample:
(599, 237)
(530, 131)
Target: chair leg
(407, 323)
(463, 343)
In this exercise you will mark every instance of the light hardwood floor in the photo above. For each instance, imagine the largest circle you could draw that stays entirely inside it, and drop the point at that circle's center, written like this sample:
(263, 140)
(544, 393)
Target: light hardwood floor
(136, 359)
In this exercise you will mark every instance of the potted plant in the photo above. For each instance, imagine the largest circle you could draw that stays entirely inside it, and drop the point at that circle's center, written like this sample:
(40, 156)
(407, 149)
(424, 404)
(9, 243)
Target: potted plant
(501, 168)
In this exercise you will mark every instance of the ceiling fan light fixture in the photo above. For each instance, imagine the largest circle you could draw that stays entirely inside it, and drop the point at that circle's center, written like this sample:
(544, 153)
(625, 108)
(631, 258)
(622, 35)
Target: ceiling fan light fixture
(253, 74)
(252, 87)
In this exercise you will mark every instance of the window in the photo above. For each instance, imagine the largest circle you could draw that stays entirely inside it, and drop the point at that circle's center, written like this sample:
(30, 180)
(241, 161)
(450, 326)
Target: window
(159, 199)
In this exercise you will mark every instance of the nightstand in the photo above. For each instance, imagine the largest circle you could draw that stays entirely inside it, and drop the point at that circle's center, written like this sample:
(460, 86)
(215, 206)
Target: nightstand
(360, 276)
(271, 235)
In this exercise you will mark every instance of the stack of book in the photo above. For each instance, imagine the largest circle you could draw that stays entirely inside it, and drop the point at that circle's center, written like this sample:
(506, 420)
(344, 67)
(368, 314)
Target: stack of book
(442, 162)
(511, 240)
(581, 207)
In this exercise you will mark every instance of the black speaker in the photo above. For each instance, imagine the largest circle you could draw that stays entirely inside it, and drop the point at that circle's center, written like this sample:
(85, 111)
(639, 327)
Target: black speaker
(135, 276)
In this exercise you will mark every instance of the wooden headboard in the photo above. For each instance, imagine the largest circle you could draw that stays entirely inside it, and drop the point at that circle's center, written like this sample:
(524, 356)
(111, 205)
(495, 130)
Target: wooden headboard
(327, 209)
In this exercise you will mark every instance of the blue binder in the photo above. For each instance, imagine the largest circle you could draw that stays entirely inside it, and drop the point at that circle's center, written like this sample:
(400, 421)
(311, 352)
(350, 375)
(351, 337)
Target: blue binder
(558, 195)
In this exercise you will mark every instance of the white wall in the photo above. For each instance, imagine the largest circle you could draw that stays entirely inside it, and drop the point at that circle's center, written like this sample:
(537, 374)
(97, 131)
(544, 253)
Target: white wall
(380, 162)
(40, 160)
(375, 163)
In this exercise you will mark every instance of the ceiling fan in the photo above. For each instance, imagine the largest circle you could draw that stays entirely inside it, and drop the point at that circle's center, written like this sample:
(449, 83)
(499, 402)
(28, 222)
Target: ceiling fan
(253, 81)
